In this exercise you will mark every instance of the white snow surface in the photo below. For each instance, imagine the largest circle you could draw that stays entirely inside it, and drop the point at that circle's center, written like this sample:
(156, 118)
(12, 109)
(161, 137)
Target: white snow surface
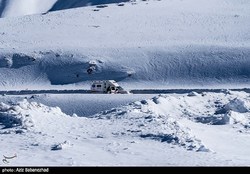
(26, 7)
(142, 45)
(209, 128)
(12, 8)
(152, 44)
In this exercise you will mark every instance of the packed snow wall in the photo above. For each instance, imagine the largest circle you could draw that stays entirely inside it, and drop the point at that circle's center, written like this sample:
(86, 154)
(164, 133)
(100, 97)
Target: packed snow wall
(195, 67)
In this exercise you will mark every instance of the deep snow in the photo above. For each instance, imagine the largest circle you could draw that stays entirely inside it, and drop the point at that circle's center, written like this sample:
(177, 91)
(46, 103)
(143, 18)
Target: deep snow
(165, 130)
(142, 45)
(11, 8)
(80, 104)
(179, 44)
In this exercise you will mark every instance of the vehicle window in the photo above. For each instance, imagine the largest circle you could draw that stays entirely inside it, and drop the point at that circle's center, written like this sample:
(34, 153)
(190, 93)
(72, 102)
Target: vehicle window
(98, 86)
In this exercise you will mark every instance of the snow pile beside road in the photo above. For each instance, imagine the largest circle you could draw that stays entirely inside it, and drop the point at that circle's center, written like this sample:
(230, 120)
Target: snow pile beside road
(164, 130)
(172, 119)
(207, 108)
(25, 116)
(138, 119)
(162, 118)
(236, 111)
(237, 105)
(144, 120)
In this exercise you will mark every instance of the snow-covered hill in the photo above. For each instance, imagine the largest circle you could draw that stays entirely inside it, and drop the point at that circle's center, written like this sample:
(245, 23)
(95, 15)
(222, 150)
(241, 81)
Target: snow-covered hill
(10, 8)
(179, 44)
(62, 4)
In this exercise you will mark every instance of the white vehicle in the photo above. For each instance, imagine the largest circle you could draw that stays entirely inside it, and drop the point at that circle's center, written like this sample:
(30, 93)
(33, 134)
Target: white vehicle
(107, 86)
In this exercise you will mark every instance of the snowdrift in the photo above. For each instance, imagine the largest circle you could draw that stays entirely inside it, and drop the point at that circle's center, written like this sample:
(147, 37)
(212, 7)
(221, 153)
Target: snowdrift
(173, 126)
(161, 118)
(24, 116)
(164, 118)
(142, 119)
(200, 67)
(137, 121)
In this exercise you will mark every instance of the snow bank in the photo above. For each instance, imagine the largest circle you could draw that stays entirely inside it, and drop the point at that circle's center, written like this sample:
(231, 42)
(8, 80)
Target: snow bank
(11, 8)
(237, 105)
(235, 111)
(137, 120)
(142, 119)
(25, 116)
(161, 118)
(207, 108)
(174, 70)
(174, 126)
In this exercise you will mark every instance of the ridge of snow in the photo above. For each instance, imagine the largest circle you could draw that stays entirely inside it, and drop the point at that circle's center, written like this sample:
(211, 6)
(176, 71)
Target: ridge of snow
(136, 130)
(142, 119)
(25, 116)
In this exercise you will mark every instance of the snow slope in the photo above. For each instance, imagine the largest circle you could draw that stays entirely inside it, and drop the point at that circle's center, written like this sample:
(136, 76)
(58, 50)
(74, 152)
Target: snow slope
(179, 44)
(62, 4)
(209, 128)
(10, 8)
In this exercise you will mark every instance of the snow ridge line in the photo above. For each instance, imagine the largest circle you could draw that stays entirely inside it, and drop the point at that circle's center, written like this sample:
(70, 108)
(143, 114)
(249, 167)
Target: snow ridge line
(140, 119)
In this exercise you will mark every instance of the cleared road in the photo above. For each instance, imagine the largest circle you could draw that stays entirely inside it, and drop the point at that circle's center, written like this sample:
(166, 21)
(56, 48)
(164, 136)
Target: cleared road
(136, 91)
